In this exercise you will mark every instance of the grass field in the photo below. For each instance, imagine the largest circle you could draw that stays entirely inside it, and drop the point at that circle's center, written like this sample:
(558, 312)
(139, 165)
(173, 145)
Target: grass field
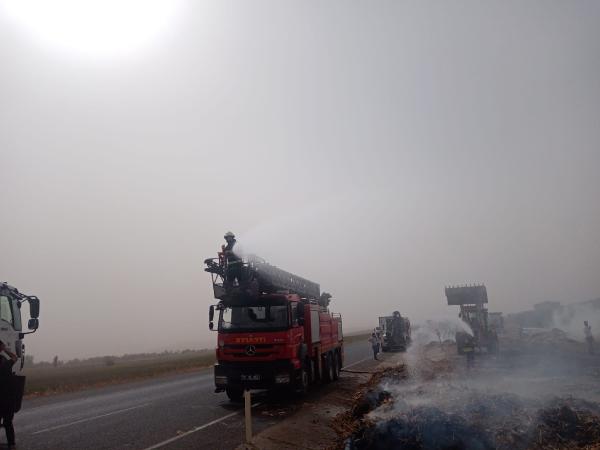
(47, 379)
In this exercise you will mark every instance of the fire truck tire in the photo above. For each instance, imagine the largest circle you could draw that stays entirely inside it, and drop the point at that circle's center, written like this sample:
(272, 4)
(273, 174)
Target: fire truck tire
(328, 368)
(336, 366)
(302, 383)
(235, 395)
(312, 371)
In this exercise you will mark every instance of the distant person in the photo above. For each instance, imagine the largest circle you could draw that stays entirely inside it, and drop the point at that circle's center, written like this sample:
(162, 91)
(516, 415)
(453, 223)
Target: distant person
(377, 333)
(374, 340)
(7, 394)
(587, 331)
(234, 263)
(379, 341)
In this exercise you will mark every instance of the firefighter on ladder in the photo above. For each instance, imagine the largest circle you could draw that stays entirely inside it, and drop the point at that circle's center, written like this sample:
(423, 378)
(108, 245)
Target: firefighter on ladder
(233, 263)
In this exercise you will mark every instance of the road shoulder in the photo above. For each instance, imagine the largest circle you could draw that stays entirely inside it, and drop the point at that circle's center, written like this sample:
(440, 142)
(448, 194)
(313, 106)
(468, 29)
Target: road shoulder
(310, 427)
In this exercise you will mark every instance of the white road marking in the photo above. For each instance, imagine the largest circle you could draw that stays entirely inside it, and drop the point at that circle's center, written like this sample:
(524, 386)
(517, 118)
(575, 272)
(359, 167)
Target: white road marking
(89, 418)
(198, 428)
(357, 362)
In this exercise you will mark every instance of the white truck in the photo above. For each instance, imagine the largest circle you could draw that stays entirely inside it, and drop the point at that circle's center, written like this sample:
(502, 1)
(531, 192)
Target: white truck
(11, 327)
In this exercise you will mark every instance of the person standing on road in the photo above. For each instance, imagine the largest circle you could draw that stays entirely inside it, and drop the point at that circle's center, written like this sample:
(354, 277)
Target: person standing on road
(377, 332)
(374, 340)
(587, 331)
(7, 394)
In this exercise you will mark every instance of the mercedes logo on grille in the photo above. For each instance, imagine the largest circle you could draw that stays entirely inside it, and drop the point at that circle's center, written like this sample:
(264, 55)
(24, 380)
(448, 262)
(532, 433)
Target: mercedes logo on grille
(250, 350)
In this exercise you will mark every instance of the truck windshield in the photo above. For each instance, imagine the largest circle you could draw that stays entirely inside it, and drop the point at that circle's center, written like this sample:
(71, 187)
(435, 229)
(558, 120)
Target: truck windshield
(10, 312)
(251, 318)
(6, 312)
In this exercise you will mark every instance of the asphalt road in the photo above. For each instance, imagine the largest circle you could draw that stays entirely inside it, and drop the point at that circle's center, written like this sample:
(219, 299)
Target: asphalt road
(174, 412)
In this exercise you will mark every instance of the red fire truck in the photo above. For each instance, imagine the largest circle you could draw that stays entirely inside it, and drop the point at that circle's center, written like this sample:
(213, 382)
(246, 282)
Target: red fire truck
(275, 329)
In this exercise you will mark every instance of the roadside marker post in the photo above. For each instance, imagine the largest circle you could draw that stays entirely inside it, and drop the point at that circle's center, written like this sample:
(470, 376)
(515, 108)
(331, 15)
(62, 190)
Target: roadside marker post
(248, 415)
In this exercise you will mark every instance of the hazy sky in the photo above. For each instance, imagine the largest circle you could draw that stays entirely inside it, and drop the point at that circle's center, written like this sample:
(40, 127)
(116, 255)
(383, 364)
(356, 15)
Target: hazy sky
(382, 149)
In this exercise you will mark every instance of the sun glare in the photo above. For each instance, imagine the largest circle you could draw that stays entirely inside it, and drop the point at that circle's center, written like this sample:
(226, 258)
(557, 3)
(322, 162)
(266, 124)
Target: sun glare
(95, 28)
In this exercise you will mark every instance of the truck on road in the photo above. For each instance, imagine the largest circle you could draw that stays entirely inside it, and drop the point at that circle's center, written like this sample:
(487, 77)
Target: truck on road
(275, 330)
(395, 332)
(11, 330)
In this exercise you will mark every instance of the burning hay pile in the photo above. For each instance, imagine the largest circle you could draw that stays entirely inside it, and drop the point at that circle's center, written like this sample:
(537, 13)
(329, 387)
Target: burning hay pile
(427, 407)
(482, 422)
(367, 399)
(552, 341)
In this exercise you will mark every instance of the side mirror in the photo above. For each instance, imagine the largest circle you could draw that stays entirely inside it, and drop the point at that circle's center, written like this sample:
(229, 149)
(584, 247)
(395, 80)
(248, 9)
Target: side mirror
(34, 307)
(211, 313)
(33, 324)
(211, 326)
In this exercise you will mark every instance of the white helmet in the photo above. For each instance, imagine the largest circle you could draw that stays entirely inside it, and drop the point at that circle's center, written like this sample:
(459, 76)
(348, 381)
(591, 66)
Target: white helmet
(229, 234)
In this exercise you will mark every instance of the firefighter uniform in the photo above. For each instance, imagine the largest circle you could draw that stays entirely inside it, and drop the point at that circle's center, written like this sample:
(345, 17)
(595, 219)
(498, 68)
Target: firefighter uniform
(233, 262)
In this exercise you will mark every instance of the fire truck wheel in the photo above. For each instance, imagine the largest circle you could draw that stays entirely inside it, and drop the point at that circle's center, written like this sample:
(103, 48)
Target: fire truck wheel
(235, 395)
(312, 371)
(336, 366)
(328, 369)
(302, 382)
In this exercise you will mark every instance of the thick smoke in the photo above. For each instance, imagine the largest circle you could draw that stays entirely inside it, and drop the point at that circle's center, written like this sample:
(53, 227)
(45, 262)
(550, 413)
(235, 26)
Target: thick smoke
(570, 319)
(526, 397)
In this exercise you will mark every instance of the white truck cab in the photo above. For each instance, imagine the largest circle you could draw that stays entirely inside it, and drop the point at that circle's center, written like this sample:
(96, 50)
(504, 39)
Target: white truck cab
(11, 327)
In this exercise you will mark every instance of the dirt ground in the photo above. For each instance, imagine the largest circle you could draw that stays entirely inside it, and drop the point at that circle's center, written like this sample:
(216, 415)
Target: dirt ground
(310, 426)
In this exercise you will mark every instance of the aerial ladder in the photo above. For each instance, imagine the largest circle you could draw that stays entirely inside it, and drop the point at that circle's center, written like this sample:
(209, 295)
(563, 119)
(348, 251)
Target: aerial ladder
(258, 277)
